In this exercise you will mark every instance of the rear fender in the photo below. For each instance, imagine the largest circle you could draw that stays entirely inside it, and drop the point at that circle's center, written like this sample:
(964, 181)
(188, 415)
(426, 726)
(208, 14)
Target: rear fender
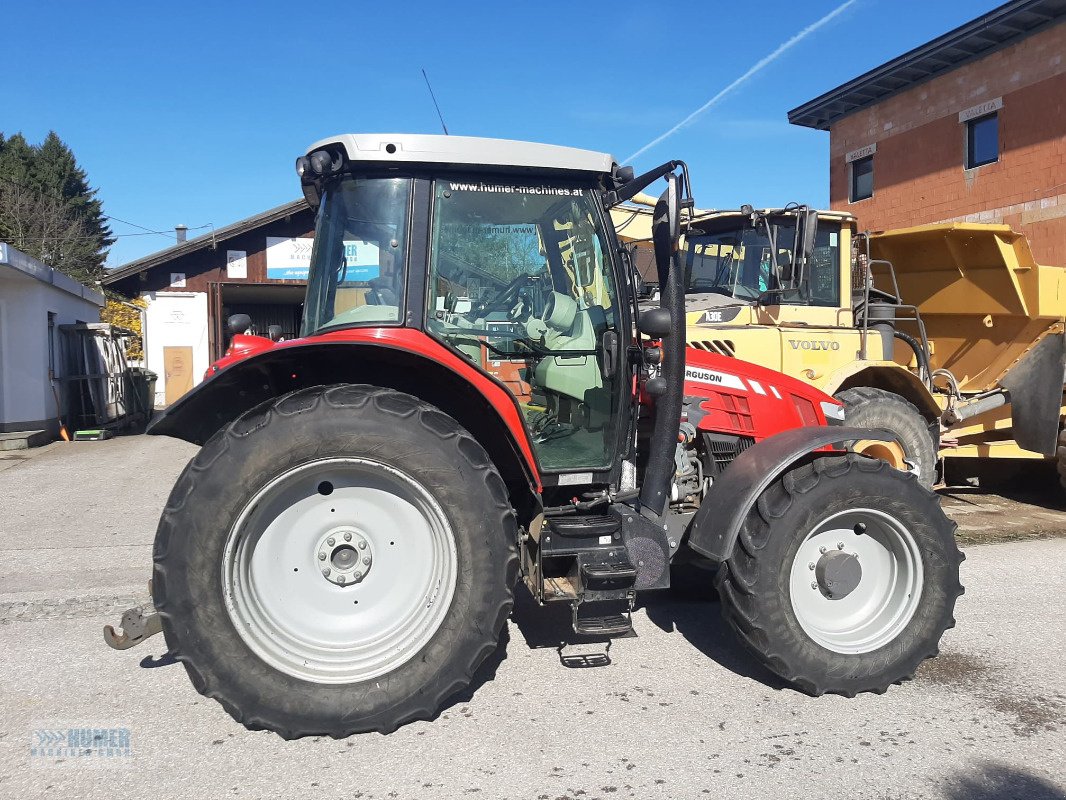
(423, 369)
(716, 525)
(1035, 384)
(890, 377)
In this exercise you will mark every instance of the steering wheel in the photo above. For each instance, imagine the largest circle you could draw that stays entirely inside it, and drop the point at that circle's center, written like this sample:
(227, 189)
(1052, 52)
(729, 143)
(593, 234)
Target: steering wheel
(504, 300)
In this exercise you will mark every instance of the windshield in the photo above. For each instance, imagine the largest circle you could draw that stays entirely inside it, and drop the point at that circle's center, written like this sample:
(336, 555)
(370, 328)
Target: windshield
(739, 261)
(357, 265)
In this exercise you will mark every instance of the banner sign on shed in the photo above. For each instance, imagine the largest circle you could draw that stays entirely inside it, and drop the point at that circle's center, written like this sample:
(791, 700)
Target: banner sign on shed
(288, 259)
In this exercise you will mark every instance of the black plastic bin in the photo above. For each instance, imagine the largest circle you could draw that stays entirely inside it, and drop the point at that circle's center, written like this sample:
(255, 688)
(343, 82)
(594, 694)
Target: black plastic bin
(143, 381)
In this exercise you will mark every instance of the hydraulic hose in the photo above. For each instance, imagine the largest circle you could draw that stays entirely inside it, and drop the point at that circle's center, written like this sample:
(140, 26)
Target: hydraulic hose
(919, 353)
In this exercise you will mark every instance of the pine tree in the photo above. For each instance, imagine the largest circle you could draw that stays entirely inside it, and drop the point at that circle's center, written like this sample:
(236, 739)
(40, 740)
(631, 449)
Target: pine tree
(48, 209)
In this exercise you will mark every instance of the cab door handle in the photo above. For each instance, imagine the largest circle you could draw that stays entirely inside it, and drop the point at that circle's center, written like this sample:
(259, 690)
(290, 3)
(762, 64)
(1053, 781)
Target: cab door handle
(608, 354)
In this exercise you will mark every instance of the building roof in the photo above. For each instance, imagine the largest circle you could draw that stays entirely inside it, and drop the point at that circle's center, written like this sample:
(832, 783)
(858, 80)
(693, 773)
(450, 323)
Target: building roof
(389, 148)
(19, 262)
(998, 28)
(207, 240)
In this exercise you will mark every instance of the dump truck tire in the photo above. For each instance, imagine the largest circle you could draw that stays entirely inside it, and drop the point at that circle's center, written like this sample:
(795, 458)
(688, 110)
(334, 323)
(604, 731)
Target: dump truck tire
(913, 451)
(1061, 458)
(337, 561)
(844, 577)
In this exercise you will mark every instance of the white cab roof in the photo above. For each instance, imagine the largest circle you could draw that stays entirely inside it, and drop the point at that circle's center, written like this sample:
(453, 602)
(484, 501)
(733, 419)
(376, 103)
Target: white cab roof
(414, 148)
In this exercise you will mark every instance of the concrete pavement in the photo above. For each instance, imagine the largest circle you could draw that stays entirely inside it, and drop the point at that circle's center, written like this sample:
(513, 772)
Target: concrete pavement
(679, 711)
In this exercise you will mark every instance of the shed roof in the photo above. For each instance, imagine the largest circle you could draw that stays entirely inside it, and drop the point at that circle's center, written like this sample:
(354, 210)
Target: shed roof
(207, 240)
(1003, 26)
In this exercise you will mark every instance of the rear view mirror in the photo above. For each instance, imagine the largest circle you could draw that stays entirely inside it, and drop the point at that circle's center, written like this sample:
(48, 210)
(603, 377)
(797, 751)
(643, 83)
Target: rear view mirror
(810, 234)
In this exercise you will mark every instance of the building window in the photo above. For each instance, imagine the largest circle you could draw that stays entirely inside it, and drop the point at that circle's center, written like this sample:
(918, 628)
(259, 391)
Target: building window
(982, 141)
(862, 178)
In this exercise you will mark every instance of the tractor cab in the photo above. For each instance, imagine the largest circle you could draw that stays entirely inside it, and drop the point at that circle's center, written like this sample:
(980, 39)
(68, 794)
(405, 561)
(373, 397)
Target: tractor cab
(521, 280)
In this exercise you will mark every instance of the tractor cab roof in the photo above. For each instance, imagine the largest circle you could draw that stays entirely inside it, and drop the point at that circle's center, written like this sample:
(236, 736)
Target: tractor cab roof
(465, 152)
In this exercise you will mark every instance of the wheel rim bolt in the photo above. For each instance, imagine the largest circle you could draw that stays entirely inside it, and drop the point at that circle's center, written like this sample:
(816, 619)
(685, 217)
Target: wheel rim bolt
(359, 576)
(366, 559)
(322, 556)
(814, 584)
(347, 537)
(811, 565)
(840, 545)
(362, 545)
(340, 579)
(823, 549)
(325, 572)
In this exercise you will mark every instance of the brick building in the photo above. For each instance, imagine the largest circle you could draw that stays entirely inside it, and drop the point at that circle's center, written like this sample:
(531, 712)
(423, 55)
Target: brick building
(969, 127)
(257, 266)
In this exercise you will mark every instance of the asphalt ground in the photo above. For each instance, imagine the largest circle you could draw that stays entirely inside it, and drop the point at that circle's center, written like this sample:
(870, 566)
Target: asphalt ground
(677, 711)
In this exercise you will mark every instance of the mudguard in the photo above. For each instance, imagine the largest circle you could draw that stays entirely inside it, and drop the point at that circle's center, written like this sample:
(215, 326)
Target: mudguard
(401, 359)
(1035, 384)
(716, 525)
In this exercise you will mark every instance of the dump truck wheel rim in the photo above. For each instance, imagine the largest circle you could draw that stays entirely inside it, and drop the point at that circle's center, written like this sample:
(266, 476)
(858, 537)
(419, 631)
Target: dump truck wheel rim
(891, 452)
(856, 613)
(376, 599)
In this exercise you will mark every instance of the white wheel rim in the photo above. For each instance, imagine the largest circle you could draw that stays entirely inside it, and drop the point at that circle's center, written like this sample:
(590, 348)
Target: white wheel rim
(883, 603)
(340, 628)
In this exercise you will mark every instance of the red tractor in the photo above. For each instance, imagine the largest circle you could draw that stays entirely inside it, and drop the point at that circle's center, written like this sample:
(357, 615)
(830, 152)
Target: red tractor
(475, 399)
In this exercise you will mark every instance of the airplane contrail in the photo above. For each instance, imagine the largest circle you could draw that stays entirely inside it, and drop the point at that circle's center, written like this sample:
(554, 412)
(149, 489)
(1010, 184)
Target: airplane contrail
(803, 34)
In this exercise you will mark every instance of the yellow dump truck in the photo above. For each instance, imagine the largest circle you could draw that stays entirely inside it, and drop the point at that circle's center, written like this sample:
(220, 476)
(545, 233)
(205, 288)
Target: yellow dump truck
(950, 335)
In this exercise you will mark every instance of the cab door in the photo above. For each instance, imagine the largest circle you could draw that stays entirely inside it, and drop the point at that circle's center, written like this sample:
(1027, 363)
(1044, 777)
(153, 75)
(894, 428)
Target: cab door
(520, 281)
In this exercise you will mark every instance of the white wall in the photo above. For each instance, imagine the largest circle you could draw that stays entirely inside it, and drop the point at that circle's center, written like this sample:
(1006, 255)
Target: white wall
(175, 319)
(25, 391)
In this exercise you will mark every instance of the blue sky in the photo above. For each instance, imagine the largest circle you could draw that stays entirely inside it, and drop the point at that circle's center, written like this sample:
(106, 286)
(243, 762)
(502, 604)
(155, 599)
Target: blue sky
(195, 114)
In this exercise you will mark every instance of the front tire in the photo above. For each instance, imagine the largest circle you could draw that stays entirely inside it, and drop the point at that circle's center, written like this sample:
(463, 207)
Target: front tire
(338, 561)
(848, 619)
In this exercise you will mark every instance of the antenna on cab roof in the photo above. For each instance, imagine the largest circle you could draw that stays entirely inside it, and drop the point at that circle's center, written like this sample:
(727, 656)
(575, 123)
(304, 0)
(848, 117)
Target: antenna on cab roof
(434, 98)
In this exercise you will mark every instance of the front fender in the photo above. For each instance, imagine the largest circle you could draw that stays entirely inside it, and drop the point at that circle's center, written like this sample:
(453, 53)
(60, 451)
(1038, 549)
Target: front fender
(404, 360)
(716, 525)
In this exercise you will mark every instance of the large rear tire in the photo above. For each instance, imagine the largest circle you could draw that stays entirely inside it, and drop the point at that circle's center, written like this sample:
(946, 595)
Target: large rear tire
(338, 561)
(844, 577)
(913, 450)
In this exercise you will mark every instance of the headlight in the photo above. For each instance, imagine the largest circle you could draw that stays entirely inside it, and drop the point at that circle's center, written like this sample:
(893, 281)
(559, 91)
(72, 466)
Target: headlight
(320, 162)
(834, 412)
(301, 165)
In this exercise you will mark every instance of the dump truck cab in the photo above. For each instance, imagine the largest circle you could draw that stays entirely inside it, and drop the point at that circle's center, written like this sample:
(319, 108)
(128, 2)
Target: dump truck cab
(476, 398)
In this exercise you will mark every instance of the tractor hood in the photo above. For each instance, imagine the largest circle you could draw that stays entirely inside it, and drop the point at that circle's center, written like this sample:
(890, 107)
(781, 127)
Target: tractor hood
(727, 394)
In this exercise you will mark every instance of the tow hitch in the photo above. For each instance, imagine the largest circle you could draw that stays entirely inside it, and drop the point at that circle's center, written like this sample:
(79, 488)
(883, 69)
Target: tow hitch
(137, 625)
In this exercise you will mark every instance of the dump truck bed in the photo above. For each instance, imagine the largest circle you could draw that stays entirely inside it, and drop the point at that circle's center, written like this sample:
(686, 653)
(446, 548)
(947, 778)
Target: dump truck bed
(984, 299)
